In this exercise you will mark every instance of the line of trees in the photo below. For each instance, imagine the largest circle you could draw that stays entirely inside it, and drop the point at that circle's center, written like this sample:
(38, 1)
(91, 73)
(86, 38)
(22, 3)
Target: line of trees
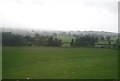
(90, 41)
(10, 39)
(84, 41)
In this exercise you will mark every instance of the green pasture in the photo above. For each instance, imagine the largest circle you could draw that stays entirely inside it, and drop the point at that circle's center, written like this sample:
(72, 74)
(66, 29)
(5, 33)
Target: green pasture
(66, 39)
(59, 63)
(105, 42)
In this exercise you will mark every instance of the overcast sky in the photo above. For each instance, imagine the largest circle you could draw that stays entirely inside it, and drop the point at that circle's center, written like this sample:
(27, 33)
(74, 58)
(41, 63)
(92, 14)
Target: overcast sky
(82, 15)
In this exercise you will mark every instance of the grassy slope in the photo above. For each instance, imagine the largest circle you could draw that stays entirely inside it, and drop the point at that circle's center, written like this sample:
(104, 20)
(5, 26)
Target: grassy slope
(48, 62)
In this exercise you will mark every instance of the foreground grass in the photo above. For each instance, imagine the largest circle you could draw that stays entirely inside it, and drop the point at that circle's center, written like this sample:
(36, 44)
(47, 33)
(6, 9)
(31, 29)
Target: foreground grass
(59, 63)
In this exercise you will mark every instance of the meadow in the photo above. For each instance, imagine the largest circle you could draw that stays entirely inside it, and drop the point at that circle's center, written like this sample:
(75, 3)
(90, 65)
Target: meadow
(59, 63)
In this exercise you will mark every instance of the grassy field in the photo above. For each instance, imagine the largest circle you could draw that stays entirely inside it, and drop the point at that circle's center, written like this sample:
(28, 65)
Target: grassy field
(59, 63)
(105, 42)
(66, 39)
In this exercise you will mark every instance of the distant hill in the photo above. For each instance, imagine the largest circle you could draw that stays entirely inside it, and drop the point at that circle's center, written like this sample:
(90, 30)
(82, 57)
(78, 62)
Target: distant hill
(57, 33)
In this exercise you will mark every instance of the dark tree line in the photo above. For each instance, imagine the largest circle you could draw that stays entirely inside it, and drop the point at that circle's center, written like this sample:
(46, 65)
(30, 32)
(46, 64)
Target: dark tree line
(90, 41)
(9, 39)
(84, 41)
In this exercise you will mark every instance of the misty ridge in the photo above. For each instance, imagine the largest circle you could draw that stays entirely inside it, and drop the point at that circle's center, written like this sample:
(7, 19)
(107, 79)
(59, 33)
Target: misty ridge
(32, 32)
(33, 37)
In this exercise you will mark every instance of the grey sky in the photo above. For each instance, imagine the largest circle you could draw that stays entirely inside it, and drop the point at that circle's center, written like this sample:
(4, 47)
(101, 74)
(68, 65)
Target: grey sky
(83, 15)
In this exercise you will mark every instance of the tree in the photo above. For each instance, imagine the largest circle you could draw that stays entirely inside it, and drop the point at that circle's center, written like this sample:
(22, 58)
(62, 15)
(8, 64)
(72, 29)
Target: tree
(109, 42)
(71, 44)
(50, 41)
(108, 38)
(29, 40)
(54, 42)
(85, 41)
(9, 39)
(102, 38)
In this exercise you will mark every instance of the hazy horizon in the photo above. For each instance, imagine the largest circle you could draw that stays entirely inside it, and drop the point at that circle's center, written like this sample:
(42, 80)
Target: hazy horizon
(60, 15)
